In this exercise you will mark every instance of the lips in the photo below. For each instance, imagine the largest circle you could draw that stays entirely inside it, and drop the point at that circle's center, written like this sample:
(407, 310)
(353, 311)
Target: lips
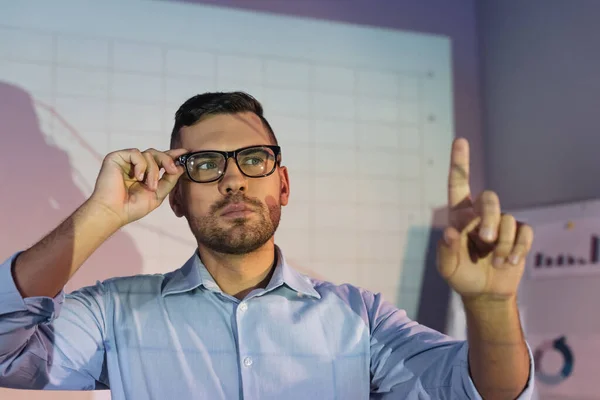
(236, 208)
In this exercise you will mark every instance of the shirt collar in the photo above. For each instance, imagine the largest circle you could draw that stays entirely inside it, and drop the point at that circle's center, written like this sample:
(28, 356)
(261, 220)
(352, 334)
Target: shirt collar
(194, 274)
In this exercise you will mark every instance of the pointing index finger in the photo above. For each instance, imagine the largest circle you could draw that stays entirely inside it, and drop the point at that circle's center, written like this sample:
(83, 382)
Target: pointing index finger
(459, 189)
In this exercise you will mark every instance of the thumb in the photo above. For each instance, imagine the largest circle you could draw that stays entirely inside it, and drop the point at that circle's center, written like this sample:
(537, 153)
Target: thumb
(168, 182)
(448, 252)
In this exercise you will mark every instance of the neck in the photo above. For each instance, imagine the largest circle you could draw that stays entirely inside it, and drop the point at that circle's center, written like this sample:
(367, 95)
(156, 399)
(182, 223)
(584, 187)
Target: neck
(238, 275)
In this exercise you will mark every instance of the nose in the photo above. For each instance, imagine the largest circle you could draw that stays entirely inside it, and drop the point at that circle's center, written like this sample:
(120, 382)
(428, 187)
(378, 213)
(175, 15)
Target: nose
(233, 180)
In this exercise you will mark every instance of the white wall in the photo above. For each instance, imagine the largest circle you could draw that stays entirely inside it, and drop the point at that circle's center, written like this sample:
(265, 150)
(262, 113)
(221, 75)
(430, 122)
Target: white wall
(540, 64)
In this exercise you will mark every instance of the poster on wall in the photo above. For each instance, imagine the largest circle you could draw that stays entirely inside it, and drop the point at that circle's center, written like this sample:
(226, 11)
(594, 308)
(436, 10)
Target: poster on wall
(562, 268)
(559, 298)
(565, 248)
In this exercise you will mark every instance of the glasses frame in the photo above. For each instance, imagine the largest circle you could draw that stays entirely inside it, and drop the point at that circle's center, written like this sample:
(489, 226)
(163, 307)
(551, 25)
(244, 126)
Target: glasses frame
(183, 159)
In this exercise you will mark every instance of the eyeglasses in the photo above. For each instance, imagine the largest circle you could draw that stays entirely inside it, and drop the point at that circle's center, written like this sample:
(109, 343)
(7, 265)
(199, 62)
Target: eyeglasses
(210, 165)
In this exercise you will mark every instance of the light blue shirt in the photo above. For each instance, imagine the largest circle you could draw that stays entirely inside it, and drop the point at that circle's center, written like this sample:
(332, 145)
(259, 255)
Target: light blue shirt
(178, 336)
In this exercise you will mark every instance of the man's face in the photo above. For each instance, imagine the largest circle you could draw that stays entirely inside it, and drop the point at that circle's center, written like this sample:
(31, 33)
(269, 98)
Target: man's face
(208, 206)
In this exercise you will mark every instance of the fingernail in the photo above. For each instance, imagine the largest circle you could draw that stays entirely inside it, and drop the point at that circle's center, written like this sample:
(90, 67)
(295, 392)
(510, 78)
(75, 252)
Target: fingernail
(514, 259)
(486, 234)
(498, 261)
(140, 177)
(448, 238)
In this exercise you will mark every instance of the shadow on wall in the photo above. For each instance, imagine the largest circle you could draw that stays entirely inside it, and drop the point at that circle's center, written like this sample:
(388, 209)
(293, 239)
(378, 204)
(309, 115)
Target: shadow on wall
(433, 297)
(37, 192)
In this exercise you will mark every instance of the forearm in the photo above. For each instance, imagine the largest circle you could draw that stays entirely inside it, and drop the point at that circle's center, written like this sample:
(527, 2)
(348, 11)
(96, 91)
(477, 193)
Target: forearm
(498, 357)
(45, 268)
(39, 349)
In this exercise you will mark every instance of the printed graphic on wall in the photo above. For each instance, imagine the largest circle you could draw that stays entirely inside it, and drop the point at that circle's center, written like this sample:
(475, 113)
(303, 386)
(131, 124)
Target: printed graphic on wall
(565, 248)
(559, 345)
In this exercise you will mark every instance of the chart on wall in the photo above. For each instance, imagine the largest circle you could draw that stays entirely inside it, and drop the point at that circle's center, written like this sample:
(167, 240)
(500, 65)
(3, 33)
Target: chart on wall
(561, 280)
(363, 115)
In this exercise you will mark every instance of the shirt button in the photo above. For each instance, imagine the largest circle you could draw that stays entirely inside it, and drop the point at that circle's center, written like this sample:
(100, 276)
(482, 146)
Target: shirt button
(248, 361)
(243, 307)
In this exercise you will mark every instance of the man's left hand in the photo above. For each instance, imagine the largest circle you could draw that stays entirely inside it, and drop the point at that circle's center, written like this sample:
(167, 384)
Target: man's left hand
(482, 255)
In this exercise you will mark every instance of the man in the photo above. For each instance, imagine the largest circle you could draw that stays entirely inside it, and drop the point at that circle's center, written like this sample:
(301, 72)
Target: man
(236, 321)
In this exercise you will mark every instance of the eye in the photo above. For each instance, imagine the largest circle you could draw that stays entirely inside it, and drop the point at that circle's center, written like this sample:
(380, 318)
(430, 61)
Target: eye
(207, 165)
(253, 161)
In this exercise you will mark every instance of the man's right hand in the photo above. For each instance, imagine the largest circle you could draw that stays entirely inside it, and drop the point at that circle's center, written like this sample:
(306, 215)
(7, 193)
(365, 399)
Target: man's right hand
(129, 183)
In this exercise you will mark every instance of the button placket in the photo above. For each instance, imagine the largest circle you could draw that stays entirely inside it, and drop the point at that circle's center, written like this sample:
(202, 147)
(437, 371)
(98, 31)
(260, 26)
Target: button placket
(242, 308)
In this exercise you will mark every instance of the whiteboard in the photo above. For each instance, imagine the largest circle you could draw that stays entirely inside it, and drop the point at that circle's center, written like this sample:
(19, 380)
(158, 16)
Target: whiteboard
(364, 116)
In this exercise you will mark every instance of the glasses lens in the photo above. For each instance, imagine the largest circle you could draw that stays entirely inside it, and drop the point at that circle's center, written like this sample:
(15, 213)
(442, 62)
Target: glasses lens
(207, 166)
(256, 161)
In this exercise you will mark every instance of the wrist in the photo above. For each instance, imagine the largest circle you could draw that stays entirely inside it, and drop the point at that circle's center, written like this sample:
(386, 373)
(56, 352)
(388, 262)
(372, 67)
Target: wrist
(102, 215)
(489, 304)
(493, 321)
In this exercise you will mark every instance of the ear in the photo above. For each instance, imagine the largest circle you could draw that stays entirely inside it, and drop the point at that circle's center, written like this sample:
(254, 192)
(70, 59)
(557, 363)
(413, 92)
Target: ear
(175, 200)
(284, 190)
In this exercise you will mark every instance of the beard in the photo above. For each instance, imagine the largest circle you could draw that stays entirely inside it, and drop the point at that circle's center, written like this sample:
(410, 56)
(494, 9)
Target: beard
(241, 235)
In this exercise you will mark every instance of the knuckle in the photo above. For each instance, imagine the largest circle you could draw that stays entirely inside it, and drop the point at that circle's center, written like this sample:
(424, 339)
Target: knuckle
(508, 219)
(110, 156)
(149, 160)
(490, 197)
(504, 243)
(519, 248)
(118, 155)
(526, 231)
(489, 194)
(502, 251)
(489, 201)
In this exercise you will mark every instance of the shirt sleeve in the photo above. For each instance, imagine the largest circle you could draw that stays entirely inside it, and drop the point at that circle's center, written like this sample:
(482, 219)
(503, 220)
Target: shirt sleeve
(409, 360)
(40, 349)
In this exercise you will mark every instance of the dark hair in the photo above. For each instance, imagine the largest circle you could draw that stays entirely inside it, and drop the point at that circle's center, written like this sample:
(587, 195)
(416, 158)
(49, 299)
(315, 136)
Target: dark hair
(214, 103)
